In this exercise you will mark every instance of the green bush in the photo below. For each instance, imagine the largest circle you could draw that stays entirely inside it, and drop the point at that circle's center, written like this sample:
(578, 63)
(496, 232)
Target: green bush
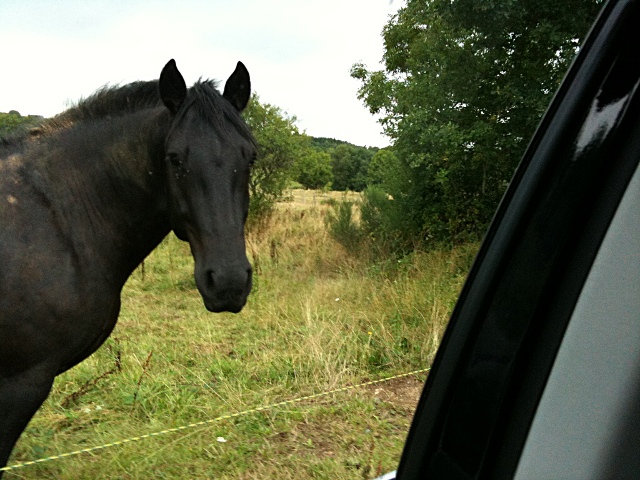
(313, 169)
(12, 121)
(343, 227)
(384, 221)
(280, 145)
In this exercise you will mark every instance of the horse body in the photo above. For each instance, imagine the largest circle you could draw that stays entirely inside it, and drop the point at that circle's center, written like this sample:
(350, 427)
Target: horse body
(83, 205)
(66, 249)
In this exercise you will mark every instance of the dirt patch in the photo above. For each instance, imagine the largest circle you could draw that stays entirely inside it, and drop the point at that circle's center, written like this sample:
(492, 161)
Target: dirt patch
(401, 392)
(399, 395)
(361, 432)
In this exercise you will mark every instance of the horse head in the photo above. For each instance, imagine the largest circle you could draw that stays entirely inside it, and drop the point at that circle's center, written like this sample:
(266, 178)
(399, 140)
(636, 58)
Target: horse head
(208, 155)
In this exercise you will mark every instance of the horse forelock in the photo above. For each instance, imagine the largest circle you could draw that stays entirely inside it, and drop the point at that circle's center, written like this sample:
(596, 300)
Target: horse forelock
(214, 109)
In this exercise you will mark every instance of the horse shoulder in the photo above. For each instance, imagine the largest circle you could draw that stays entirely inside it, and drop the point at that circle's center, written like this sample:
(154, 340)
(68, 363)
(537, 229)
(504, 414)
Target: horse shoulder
(52, 304)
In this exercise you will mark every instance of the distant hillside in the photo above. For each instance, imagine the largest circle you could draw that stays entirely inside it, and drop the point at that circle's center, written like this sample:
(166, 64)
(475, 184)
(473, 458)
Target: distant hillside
(324, 143)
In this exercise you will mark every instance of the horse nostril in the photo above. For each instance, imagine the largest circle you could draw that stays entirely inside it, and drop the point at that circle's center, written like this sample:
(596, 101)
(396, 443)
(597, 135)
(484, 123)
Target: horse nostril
(229, 282)
(210, 278)
(249, 282)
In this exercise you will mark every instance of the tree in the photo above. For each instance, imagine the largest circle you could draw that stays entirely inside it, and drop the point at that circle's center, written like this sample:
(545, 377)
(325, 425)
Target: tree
(383, 165)
(313, 169)
(464, 86)
(350, 164)
(280, 146)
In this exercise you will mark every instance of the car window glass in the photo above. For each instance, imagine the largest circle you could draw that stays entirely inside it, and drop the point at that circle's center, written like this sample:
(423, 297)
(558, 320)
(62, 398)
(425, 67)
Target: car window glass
(596, 375)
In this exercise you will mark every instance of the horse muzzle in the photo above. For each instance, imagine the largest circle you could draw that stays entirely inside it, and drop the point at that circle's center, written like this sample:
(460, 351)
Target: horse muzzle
(224, 289)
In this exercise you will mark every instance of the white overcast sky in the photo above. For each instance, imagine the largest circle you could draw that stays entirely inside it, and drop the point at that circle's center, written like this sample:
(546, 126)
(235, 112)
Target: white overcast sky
(298, 52)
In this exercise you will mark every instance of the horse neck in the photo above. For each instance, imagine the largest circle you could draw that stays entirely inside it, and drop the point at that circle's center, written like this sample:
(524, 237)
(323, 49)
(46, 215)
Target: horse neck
(112, 197)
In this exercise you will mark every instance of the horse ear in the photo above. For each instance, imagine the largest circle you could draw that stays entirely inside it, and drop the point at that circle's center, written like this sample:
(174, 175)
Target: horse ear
(173, 89)
(237, 90)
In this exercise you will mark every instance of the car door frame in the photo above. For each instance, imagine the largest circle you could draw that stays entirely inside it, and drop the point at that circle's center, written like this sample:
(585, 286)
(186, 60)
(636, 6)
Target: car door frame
(495, 357)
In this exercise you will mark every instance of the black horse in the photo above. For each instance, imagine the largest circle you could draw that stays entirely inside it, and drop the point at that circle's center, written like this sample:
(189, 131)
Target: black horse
(88, 195)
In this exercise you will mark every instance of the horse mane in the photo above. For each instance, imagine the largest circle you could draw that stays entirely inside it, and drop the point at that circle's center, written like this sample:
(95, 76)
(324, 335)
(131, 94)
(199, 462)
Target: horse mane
(106, 102)
(114, 101)
(111, 101)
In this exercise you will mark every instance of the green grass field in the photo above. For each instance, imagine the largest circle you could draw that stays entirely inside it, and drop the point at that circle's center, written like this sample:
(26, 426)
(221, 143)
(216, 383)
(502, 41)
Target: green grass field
(318, 319)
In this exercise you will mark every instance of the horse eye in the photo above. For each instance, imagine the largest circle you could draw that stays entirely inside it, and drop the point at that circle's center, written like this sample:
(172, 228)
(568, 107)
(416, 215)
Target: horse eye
(174, 159)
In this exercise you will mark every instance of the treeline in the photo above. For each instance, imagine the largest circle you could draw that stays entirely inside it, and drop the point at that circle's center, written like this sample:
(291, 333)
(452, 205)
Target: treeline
(463, 87)
(349, 164)
(288, 157)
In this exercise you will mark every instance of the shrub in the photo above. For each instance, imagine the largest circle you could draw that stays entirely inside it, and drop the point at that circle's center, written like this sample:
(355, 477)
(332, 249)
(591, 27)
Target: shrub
(343, 227)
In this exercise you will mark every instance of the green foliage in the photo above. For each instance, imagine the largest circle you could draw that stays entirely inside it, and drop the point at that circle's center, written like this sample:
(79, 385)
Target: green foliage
(342, 226)
(349, 163)
(381, 219)
(325, 144)
(383, 165)
(313, 169)
(12, 121)
(350, 166)
(464, 86)
(281, 144)
(377, 229)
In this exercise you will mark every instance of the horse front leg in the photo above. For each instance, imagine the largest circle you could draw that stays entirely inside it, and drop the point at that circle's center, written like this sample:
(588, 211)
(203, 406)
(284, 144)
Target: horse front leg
(20, 397)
